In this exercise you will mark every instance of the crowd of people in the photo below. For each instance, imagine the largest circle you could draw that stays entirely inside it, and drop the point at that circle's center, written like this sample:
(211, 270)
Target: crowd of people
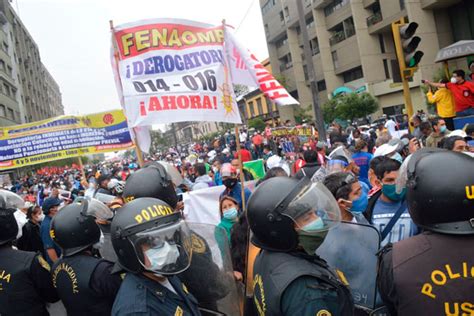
(112, 238)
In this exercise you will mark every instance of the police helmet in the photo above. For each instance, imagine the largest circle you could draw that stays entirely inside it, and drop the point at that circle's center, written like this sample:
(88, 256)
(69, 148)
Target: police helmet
(9, 203)
(73, 229)
(272, 216)
(148, 235)
(440, 190)
(151, 181)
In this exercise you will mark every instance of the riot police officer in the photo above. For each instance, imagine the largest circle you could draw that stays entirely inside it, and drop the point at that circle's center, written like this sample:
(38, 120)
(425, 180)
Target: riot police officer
(153, 243)
(289, 279)
(432, 273)
(85, 283)
(25, 282)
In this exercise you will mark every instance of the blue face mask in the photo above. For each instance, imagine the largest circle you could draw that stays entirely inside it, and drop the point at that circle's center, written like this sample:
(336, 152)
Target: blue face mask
(314, 226)
(443, 129)
(359, 205)
(230, 213)
(397, 157)
(390, 191)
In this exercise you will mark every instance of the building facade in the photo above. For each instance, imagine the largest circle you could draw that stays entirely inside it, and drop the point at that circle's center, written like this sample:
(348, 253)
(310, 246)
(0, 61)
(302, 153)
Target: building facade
(352, 45)
(255, 105)
(189, 132)
(28, 92)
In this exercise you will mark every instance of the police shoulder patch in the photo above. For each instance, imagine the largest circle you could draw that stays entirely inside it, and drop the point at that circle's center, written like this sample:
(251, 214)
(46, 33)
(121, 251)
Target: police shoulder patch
(43, 263)
(179, 311)
(198, 244)
(324, 312)
(185, 289)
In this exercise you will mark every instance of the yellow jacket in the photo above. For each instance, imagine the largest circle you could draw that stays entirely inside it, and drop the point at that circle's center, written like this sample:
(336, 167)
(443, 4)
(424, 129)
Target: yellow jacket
(444, 102)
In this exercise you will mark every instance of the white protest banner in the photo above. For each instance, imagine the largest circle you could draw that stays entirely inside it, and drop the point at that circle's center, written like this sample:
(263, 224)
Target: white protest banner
(171, 70)
(262, 78)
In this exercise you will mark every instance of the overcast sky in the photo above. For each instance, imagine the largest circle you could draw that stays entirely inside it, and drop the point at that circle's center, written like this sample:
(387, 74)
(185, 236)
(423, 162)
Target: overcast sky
(73, 37)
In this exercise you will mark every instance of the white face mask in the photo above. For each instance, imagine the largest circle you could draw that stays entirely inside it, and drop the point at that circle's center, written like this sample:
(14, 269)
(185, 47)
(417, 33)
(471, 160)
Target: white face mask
(160, 257)
(41, 217)
(453, 80)
(215, 169)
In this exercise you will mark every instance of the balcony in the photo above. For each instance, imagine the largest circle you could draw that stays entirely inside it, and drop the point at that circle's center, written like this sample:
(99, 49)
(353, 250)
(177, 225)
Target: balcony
(337, 38)
(374, 19)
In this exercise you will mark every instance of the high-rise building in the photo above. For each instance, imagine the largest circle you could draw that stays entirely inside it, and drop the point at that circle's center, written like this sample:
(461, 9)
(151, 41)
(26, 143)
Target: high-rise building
(352, 45)
(28, 92)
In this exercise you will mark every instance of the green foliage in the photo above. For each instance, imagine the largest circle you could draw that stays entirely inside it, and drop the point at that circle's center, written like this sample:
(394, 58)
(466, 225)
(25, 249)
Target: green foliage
(210, 137)
(302, 114)
(349, 106)
(157, 141)
(257, 123)
(282, 80)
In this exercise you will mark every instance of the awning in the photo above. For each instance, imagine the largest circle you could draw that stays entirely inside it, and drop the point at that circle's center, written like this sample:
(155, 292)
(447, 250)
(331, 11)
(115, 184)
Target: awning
(457, 50)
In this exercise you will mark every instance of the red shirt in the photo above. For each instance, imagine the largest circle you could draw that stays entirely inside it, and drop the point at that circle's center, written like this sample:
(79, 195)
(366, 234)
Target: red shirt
(246, 155)
(257, 139)
(463, 95)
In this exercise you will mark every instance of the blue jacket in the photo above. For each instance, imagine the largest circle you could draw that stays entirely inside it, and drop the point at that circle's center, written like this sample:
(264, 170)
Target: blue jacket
(139, 295)
(236, 193)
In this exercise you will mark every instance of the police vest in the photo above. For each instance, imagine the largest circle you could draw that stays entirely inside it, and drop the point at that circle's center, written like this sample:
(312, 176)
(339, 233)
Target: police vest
(274, 271)
(433, 274)
(71, 276)
(17, 294)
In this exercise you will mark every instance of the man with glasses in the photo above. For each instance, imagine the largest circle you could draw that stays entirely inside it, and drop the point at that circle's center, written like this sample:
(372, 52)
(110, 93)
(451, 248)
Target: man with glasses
(462, 90)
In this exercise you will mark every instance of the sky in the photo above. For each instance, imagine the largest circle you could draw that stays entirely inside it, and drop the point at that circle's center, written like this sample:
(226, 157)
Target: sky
(73, 37)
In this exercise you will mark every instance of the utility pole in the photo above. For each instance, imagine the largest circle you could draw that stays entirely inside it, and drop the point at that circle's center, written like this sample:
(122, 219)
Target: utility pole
(310, 69)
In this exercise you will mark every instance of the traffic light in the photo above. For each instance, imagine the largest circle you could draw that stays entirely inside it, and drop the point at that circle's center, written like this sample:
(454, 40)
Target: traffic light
(406, 44)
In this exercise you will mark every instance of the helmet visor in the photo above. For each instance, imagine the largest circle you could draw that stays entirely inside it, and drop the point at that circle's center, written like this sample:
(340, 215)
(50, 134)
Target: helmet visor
(164, 250)
(314, 209)
(10, 200)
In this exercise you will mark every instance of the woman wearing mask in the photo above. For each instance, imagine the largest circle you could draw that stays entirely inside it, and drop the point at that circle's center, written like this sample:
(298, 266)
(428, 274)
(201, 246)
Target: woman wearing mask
(31, 238)
(229, 209)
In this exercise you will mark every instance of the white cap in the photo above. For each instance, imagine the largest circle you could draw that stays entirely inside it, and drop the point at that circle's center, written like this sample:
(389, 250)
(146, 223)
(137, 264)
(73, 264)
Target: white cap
(225, 151)
(385, 150)
(458, 132)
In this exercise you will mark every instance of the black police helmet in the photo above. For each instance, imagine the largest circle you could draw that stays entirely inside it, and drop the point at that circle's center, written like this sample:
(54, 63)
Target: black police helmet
(271, 229)
(9, 202)
(151, 181)
(135, 217)
(440, 191)
(73, 230)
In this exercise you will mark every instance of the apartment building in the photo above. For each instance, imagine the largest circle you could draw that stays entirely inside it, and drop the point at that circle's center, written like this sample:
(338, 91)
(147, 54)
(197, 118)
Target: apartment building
(28, 92)
(255, 105)
(188, 132)
(352, 45)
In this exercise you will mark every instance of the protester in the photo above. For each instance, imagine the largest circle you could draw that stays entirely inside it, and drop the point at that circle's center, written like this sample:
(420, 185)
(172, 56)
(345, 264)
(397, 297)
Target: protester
(257, 141)
(455, 143)
(445, 107)
(232, 184)
(425, 129)
(311, 164)
(238, 167)
(415, 122)
(351, 198)
(229, 210)
(216, 170)
(362, 159)
(244, 154)
(462, 90)
(103, 182)
(391, 127)
(50, 208)
(440, 131)
(388, 210)
(31, 238)
(203, 180)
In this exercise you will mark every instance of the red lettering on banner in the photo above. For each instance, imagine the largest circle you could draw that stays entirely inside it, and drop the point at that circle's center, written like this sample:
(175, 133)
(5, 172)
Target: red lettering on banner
(169, 102)
(182, 102)
(154, 104)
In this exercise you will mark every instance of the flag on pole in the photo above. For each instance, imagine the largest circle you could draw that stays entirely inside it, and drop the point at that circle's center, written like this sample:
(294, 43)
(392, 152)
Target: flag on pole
(256, 168)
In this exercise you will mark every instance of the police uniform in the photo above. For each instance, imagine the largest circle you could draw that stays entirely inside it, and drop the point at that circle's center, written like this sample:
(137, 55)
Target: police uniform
(140, 295)
(426, 275)
(297, 284)
(25, 283)
(85, 284)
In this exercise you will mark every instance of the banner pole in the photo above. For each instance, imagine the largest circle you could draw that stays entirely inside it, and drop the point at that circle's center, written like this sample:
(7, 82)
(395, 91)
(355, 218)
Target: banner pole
(83, 174)
(138, 151)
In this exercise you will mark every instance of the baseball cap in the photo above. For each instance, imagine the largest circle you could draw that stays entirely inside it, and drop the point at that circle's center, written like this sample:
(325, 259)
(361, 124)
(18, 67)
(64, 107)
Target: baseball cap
(227, 170)
(385, 149)
(49, 203)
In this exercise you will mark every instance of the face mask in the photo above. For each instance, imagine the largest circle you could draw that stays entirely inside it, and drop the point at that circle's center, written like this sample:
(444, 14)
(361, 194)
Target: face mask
(311, 242)
(160, 257)
(397, 157)
(389, 190)
(359, 205)
(314, 226)
(231, 213)
(443, 129)
(453, 80)
(40, 217)
(215, 169)
(230, 183)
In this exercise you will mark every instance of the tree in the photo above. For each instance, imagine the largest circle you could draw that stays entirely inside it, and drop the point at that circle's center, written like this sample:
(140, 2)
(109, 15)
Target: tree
(282, 80)
(257, 123)
(302, 114)
(240, 90)
(349, 106)
(157, 141)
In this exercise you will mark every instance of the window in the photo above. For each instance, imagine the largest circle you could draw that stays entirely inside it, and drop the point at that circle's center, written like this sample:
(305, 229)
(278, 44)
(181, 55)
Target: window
(335, 59)
(259, 106)
(282, 18)
(2, 65)
(9, 70)
(2, 110)
(268, 6)
(322, 85)
(11, 114)
(349, 27)
(310, 23)
(385, 68)
(314, 46)
(334, 6)
(287, 13)
(281, 42)
(382, 44)
(353, 74)
(252, 109)
(5, 47)
(6, 89)
(402, 4)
